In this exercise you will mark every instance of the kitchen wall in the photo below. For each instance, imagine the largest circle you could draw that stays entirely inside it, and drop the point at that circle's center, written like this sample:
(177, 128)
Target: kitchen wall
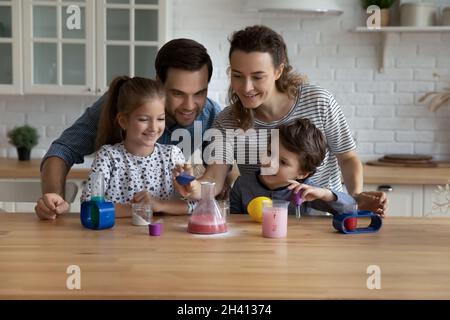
(382, 108)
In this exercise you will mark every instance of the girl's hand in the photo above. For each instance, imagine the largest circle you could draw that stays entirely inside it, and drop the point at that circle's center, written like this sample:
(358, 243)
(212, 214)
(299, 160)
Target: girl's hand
(189, 189)
(146, 197)
(310, 193)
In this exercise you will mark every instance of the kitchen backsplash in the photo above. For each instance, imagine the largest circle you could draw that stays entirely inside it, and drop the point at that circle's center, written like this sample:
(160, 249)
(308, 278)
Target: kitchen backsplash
(382, 109)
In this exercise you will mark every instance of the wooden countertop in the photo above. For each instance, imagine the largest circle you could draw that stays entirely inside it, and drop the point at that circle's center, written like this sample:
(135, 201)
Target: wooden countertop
(12, 168)
(399, 175)
(313, 262)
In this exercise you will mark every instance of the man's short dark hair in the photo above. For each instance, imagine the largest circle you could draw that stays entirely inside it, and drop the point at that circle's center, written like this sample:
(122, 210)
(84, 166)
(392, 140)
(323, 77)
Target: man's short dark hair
(185, 54)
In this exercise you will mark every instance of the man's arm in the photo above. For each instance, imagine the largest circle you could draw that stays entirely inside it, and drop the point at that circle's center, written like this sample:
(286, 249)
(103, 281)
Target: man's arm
(53, 181)
(53, 176)
(71, 147)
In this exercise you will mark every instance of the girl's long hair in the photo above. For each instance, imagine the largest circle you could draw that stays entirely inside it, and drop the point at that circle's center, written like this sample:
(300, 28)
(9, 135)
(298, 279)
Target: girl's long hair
(125, 95)
(260, 38)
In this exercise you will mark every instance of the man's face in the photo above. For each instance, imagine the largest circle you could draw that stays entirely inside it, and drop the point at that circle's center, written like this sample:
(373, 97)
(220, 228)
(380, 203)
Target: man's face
(186, 94)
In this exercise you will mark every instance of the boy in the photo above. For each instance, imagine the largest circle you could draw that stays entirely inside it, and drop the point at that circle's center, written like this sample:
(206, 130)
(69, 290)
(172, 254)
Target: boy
(302, 149)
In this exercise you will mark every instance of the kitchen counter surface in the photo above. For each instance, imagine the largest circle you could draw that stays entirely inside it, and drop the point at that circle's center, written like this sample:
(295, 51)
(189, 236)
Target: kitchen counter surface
(400, 175)
(12, 168)
(313, 262)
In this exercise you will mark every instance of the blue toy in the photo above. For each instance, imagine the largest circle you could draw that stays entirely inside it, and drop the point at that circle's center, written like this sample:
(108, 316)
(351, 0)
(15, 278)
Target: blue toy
(184, 178)
(375, 222)
(97, 214)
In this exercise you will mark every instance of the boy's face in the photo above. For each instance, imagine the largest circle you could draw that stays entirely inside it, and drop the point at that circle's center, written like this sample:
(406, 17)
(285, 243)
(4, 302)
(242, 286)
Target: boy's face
(289, 169)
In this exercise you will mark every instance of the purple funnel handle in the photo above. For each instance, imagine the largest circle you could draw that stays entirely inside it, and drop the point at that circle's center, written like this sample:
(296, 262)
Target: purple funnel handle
(297, 198)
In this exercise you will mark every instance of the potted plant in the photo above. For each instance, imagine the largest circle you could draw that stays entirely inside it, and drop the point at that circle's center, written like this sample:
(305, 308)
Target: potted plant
(24, 138)
(384, 5)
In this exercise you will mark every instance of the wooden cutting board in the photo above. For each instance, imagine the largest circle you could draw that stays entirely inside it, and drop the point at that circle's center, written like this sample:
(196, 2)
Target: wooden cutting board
(430, 164)
(404, 161)
(408, 157)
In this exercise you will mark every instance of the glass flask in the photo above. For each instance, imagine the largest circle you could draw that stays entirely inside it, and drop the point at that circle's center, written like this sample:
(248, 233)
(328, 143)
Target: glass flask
(207, 217)
(98, 187)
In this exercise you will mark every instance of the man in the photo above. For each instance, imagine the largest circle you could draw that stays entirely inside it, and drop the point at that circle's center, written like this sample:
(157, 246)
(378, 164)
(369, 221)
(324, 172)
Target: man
(185, 69)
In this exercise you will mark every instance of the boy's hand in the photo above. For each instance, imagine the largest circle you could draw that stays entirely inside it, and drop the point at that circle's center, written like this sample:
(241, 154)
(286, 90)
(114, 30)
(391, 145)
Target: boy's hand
(146, 197)
(375, 201)
(189, 189)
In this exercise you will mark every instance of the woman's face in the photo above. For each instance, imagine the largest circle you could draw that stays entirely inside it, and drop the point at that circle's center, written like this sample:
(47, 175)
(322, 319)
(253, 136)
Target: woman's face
(253, 77)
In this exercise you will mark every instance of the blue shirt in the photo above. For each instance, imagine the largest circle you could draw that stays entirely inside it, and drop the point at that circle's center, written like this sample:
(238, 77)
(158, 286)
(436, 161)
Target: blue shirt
(249, 186)
(78, 140)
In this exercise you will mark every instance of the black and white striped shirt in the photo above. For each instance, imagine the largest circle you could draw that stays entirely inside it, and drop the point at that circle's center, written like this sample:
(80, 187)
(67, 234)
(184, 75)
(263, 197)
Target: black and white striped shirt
(314, 103)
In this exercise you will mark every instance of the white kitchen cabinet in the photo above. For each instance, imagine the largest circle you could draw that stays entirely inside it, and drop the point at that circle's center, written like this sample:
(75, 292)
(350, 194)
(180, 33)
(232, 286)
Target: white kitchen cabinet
(29, 206)
(58, 46)
(67, 55)
(404, 200)
(10, 47)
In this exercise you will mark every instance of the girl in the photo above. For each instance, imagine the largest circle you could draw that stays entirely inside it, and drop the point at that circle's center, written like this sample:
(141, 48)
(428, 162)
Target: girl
(265, 93)
(134, 166)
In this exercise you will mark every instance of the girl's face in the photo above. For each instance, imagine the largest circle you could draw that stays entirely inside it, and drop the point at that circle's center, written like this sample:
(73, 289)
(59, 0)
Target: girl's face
(144, 126)
(288, 169)
(253, 77)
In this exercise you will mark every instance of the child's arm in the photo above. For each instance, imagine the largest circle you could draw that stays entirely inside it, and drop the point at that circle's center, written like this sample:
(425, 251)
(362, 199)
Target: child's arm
(122, 210)
(324, 199)
(311, 193)
(173, 206)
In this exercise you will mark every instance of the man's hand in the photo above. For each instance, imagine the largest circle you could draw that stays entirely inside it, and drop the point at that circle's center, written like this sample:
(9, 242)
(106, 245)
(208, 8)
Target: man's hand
(375, 201)
(50, 206)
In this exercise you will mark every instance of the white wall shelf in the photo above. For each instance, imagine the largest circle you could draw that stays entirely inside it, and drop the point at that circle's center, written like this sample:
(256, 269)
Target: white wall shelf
(405, 29)
(387, 31)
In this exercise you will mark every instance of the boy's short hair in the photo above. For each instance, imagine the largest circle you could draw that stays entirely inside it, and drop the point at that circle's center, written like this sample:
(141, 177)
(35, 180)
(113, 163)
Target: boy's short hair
(184, 54)
(305, 139)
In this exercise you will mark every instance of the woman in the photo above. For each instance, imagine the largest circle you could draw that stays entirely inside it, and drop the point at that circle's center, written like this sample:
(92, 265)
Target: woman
(265, 93)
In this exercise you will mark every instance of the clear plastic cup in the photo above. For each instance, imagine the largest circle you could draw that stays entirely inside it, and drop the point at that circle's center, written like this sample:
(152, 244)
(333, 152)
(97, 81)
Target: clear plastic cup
(142, 214)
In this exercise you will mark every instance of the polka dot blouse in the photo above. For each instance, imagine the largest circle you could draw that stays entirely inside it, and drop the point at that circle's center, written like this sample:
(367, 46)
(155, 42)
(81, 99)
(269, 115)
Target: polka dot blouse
(126, 174)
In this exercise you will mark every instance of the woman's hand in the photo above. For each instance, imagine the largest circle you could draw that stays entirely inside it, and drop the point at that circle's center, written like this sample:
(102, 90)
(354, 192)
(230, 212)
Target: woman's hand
(191, 188)
(146, 197)
(375, 201)
(310, 193)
